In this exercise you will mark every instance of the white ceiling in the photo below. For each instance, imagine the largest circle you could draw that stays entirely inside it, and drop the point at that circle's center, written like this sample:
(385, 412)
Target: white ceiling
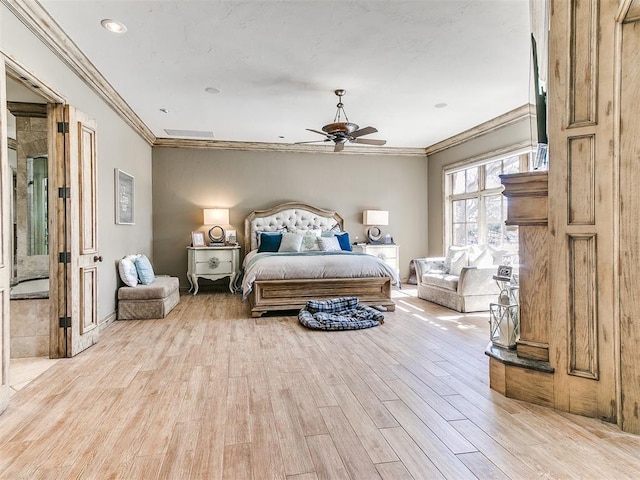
(277, 63)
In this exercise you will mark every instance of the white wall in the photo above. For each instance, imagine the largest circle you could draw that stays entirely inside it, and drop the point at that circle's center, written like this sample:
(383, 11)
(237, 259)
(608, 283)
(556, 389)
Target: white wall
(118, 147)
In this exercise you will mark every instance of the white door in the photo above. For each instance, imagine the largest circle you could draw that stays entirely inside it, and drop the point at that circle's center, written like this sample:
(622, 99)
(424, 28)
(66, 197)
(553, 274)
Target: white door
(75, 324)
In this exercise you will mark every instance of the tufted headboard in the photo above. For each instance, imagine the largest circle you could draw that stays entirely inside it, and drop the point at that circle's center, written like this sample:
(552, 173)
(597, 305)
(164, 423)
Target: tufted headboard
(287, 215)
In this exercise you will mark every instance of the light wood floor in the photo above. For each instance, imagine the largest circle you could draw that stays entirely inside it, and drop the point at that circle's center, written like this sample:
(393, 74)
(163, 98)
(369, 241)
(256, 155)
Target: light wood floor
(210, 393)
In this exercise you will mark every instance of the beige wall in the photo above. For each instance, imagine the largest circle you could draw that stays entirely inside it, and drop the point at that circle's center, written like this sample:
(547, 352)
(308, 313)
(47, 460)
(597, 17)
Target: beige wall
(513, 135)
(118, 147)
(187, 180)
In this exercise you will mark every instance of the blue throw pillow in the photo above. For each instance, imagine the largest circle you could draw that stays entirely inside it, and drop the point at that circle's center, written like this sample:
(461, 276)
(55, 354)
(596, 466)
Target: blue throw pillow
(145, 270)
(269, 242)
(343, 240)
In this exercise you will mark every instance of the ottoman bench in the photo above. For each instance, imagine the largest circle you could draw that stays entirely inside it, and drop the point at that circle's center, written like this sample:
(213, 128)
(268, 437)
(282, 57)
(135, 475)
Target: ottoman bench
(155, 300)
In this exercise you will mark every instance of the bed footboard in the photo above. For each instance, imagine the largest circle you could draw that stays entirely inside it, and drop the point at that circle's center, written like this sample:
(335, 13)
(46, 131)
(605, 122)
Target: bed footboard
(270, 295)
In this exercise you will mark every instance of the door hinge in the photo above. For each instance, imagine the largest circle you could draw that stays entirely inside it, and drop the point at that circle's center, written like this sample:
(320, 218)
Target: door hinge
(63, 127)
(64, 192)
(64, 257)
(65, 322)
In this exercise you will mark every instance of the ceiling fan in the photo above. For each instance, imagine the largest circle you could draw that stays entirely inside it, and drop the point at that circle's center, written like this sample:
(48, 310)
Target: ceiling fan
(340, 132)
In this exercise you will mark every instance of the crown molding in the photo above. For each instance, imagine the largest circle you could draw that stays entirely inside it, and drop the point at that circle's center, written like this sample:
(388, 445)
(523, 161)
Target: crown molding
(33, 15)
(283, 147)
(43, 26)
(513, 116)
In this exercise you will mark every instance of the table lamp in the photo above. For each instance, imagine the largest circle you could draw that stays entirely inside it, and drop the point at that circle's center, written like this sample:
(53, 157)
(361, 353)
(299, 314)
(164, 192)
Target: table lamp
(373, 218)
(216, 217)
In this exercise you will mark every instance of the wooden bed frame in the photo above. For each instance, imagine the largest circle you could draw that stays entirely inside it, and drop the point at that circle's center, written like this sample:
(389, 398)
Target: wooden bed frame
(273, 295)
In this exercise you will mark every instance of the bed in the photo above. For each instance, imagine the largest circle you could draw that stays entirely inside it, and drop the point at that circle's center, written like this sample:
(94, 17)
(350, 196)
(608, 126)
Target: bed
(286, 281)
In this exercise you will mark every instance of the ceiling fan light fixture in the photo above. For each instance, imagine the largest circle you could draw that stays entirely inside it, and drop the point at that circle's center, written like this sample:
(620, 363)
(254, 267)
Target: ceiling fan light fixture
(340, 127)
(342, 131)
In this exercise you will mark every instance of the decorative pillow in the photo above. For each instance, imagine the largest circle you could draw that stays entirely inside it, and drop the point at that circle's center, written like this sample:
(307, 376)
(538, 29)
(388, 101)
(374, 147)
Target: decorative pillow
(291, 242)
(127, 270)
(343, 240)
(329, 244)
(258, 234)
(335, 228)
(484, 259)
(269, 241)
(451, 252)
(458, 260)
(145, 270)
(310, 240)
(497, 254)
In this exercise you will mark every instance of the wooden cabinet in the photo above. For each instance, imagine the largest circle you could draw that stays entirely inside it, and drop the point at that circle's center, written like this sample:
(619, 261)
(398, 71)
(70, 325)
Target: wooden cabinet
(389, 253)
(213, 263)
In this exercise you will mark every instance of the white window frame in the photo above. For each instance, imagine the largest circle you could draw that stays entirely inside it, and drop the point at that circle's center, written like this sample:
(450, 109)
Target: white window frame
(526, 155)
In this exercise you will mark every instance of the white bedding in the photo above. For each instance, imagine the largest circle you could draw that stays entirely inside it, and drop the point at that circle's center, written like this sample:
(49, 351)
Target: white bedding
(312, 265)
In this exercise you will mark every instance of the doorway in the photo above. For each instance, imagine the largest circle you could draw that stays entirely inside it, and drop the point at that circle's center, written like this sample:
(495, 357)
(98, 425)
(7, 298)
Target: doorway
(30, 306)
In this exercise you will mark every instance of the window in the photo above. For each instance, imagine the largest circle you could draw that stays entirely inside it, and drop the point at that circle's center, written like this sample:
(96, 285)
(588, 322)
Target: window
(476, 209)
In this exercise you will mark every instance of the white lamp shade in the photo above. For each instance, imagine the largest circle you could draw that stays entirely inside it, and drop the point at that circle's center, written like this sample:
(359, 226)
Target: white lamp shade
(375, 217)
(216, 216)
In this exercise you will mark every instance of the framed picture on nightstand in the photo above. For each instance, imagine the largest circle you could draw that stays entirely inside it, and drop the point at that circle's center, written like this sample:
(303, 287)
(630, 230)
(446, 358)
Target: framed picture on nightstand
(197, 239)
(231, 238)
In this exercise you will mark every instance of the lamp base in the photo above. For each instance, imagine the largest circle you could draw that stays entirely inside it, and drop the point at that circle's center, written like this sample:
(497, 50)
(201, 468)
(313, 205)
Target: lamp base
(217, 234)
(374, 234)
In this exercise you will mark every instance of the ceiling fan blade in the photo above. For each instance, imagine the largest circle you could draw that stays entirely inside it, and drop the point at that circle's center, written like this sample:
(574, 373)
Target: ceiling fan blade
(339, 147)
(317, 131)
(313, 141)
(364, 131)
(370, 141)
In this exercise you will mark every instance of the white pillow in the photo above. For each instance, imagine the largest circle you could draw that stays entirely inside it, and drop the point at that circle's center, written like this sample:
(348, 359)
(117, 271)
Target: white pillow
(329, 244)
(310, 239)
(479, 256)
(497, 254)
(485, 259)
(291, 242)
(128, 271)
(451, 252)
(458, 260)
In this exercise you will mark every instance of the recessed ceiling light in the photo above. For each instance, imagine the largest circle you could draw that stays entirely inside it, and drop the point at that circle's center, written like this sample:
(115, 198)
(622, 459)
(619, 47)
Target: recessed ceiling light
(280, 136)
(440, 105)
(164, 110)
(212, 90)
(113, 25)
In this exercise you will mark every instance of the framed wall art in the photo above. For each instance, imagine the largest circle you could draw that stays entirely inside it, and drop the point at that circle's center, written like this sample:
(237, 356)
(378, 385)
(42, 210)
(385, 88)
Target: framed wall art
(125, 198)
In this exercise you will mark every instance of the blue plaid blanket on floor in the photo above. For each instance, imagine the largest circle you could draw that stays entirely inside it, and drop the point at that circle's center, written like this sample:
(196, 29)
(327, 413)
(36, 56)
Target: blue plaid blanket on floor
(345, 313)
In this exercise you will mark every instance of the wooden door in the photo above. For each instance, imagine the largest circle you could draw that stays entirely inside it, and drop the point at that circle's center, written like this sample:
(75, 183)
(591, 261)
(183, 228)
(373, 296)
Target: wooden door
(582, 199)
(5, 257)
(629, 255)
(75, 322)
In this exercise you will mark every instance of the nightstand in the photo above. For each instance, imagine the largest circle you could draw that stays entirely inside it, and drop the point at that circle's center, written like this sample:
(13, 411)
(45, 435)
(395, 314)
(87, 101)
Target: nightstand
(213, 263)
(389, 253)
